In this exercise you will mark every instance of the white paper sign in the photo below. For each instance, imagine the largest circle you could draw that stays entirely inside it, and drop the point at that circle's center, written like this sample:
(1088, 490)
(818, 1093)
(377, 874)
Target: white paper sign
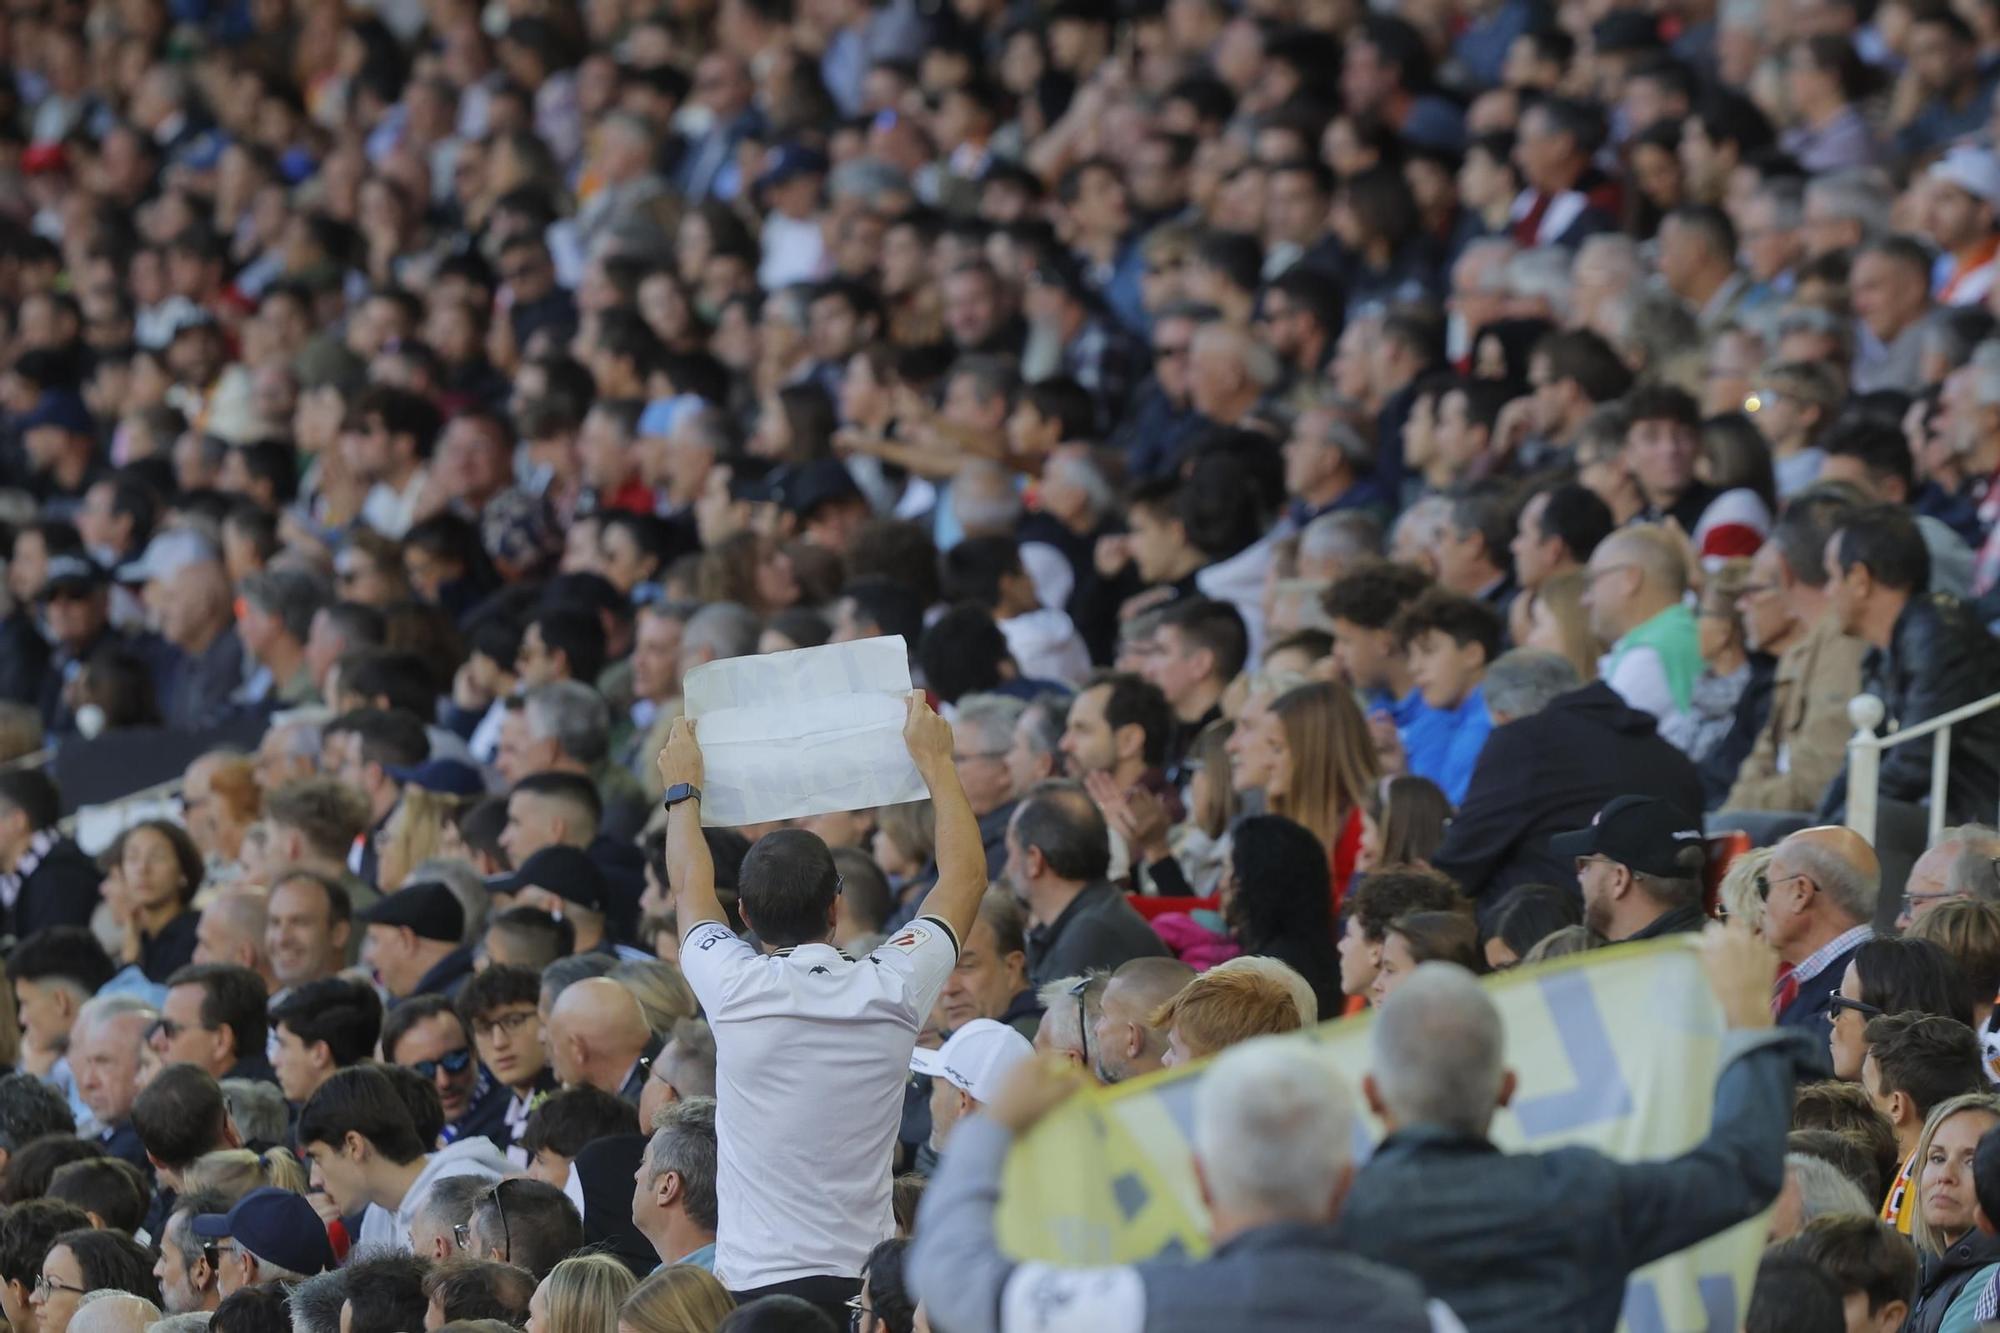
(809, 732)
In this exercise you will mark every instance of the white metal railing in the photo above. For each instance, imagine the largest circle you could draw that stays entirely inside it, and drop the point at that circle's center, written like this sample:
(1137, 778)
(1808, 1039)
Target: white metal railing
(1864, 757)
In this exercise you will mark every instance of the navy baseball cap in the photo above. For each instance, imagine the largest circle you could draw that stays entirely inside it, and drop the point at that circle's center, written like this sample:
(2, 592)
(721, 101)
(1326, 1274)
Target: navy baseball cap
(1640, 832)
(447, 777)
(275, 1225)
(61, 408)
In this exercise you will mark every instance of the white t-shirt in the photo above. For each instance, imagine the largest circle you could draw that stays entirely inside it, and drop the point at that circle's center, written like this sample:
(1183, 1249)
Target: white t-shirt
(812, 1049)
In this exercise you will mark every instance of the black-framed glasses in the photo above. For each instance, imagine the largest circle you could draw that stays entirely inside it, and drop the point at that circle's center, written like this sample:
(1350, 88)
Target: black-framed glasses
(452, 1062)
(213, 1250)
(1082, 1019)
(45, 1286)
(1838, 1004)
(491, 1027)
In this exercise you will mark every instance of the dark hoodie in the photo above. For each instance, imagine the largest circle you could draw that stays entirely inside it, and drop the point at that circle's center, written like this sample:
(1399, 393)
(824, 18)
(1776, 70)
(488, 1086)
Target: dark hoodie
(1546, 774)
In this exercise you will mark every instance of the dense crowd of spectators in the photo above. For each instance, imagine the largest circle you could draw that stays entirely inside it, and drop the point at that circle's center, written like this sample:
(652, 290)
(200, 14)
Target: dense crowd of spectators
(1370, 500)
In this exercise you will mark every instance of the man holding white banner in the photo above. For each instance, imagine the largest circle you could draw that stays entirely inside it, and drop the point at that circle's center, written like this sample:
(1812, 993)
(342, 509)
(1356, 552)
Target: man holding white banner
(812, 1047)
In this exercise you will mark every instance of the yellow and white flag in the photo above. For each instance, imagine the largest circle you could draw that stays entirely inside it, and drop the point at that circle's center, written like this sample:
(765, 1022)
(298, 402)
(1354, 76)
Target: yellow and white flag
(1616, 1049)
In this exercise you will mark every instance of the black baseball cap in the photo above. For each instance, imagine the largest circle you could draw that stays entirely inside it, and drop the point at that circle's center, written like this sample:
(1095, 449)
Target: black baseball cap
(431, 910)
(567, 872)
(1641, 832)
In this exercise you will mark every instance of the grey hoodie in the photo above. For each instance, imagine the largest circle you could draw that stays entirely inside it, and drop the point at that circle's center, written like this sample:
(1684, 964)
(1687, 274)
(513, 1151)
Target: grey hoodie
(468, 1157)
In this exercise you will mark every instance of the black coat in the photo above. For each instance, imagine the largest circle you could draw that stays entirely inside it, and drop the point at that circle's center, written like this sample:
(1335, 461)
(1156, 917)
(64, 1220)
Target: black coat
(1547, 774)
(1939, 658)
(62, 891)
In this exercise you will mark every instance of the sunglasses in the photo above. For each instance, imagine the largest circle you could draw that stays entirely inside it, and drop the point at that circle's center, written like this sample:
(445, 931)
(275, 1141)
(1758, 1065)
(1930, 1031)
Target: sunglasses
(452, 1062)
(1839, 1004)
(1082, 1019)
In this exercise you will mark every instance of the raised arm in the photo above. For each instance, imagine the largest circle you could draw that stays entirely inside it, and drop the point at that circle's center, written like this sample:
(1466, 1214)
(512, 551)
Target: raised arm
(961, 855)
(689, 865)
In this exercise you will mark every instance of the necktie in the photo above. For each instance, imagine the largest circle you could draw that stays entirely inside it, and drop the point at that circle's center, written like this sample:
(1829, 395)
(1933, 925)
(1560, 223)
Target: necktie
(1785, 990)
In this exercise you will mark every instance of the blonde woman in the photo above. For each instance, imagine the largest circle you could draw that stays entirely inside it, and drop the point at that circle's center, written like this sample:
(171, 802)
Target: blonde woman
(1957, 1262)
(581, 1295)
(1557, 623)
(234, 1172)
(1321, 767)
(681, 1299)
(662, 992)
(1738, 892)
(415, 833)
(1198, 843)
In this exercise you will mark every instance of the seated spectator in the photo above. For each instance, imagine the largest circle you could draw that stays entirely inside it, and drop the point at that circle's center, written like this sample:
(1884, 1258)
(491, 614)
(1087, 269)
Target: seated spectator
(1417, 938)
(499, 1006)
(80, 1262)
(968, 1071)
(1379, 899)
(414, 944)
(1450, 640)
(1558, 754)
(1640, 865)
(1891, 976)
(1221, 1009)
(1058, 857)
(279, 1238)
(677, 1299)
(1636, 582)
(1524, 918)
(1819, 892)
(1814, 1188)
(1958, 864)
(1278, 903)
(674, 1204)
(1914, 1063)
(991, 979)
(597, 1035)
(383, 1293)
(1121, 1041)
(563, 1122)
(319, 1028)
(1957, 1259)
(467, 1289)
(528, 1223)
(1866, 1259)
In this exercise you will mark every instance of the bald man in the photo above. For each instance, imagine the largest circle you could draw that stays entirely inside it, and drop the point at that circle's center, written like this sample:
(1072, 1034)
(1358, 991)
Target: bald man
(114, 1312)
(1963, 862)
(231, 930)
(1823, 885)
(1122, 1045)
(1633, 591)
(597, 1035)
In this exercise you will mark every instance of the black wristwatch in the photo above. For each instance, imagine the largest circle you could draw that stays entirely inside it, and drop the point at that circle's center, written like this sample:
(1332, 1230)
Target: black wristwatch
(682, 791)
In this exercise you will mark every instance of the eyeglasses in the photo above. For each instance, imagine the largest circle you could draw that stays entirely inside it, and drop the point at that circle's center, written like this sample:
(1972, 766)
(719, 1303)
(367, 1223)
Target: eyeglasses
(978, 754)
(1765, 883)
(491, 1028)
(213, 1250)
(1837, 1004)
(46, 1285)
(855, 1312)
(452, 1062)
(1082, 1020)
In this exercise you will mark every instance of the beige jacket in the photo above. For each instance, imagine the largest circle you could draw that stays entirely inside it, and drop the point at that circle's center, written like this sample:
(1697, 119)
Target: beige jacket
(1804, 743)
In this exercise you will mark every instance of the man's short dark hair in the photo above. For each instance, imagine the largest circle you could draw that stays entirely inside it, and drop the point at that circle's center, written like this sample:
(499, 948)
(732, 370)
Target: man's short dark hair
(1311, 291)
(413, 1011)
(1887, 541)
(486, 991)
(1792, 1295)
(1928, 1058)
(542, 1226)
(564, 1121)
(1464, 620)
(30, 1108)
(962, 651)
(480, 826)
(467, 1289)
(1372, 595)
(1727, 116)
(1059, 820)
(263, 1308)
(69, 954)
(419, 1096)
(1863, 1254)
(111, 1261)
(401, 679)
(385, 1292)
(787, 887)
(1135, 701)
(1661, 402)
(1237, 256)
(1846, 1153)
(1213, 625)
(388, 736)
(972, 571)
(775, 1314)
(327, 812)
(30, 1169)
(107, 1186)
(890, 605)
(180, 1115)
(1881, 448)
(535, 932)
(573, 789)
(577, 635)
(361, 1100)
(231, 997)
(34, 794)
(1577, 517)
(1712, 225)
(1489, 511)
(1802, 531)
(346, 1015)
(28, 1229)
(402, 412)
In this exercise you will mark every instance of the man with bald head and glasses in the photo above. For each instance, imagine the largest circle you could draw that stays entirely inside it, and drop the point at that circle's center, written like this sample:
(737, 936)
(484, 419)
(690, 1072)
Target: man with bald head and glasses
(1819, 896)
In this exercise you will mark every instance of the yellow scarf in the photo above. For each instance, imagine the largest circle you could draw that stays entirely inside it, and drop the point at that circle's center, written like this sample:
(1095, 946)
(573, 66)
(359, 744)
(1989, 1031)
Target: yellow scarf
(1900, 1205)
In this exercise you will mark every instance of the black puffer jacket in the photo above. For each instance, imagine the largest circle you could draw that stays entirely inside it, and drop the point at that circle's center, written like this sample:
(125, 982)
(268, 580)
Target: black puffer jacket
(1939, 658)
(1943, 1278)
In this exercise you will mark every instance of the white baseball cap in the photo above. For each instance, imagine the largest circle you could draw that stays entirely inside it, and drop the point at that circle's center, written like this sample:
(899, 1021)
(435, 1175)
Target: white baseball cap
(1973, 170)
(976, 1059)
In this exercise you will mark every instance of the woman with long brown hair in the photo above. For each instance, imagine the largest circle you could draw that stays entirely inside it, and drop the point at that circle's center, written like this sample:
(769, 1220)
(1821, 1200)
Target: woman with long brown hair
(1321, 767)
